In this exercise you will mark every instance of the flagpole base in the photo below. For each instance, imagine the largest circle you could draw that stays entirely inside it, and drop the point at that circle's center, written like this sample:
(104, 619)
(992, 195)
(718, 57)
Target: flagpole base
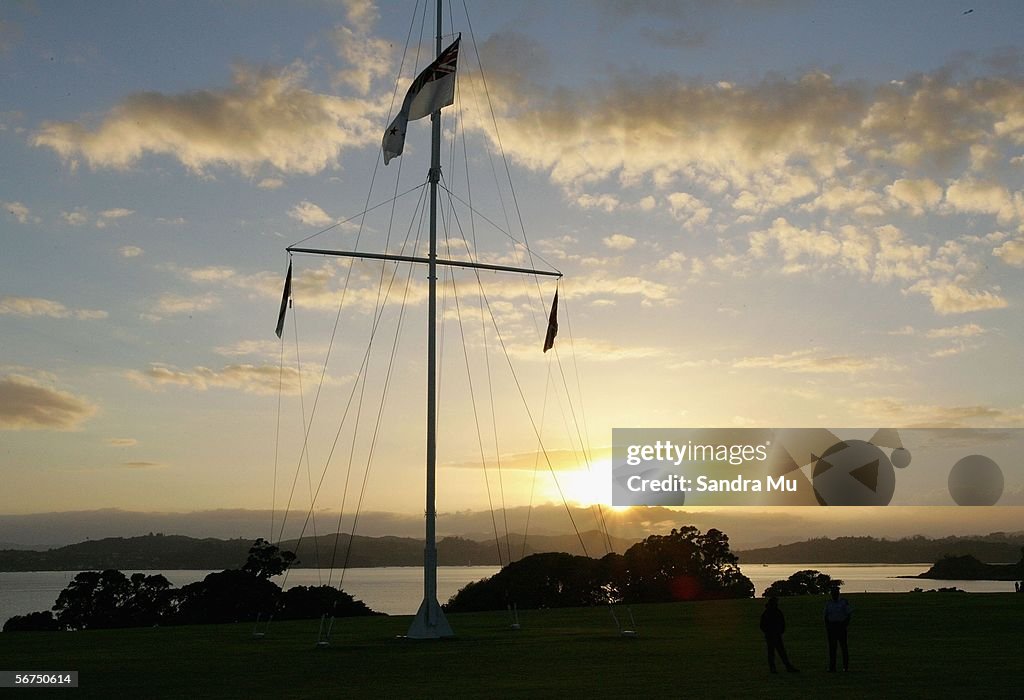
(430, 622)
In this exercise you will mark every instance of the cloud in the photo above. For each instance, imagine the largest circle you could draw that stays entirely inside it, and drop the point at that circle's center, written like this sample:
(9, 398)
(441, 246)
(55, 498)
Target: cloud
(560, 460)
(176, 304)
(897, 258)
(361, 14)
(883, 254)
(688, 210)
(619, 241)
(34, 306)
(265, 118)
(130, 251)
(606, 202)
(210, 273)
(116, 213)
(20, 212)
(953, 298)
(814, 362)
(975, 197)
(965, 331)
(248, 378)
(772, 143)
(367, 57)
(948, 352)
(310, 214)
(270, 183)
(604, 285)
(917, 195)
(141, 465)
(665, 128)
(897, 413)
(109, 215)
(860, 201)
(312, 287)
(592, 350)
(122, 442)
(673, 262)
(1011, 252)
(794, 243)
(74, 218)
(25, 404)
(265, 348)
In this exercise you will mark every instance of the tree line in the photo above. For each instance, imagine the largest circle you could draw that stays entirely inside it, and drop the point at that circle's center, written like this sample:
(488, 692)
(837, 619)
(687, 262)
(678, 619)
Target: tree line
(110, 599)
(685, 564)
(996, 547)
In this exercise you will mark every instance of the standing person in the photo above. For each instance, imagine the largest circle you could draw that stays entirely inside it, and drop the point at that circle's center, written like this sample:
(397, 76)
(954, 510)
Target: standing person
(773, 624)
(837, 619)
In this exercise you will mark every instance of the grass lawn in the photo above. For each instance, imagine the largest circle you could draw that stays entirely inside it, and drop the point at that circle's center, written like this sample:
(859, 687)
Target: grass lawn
(901, 645)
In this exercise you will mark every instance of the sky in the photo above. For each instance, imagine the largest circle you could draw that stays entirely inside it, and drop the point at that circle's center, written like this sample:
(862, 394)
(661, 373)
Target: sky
(768, 214)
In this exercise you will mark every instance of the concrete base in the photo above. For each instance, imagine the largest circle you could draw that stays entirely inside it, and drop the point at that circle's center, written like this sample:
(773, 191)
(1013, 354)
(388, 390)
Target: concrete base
(430, 622)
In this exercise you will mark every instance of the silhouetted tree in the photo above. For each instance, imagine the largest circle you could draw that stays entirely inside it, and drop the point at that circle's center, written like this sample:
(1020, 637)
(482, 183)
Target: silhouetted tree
(97, 600)
(806, 582)
(92, 600)
(149, 600)
(32, 622)
(301, 602)
(267, 560)
(549, 580)
(683, 565)
(226, 596)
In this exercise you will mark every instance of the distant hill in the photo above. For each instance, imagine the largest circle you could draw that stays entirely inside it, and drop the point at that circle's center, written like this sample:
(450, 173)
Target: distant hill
(967, 568)
(998, 547)
(126, 553)
(179, 552)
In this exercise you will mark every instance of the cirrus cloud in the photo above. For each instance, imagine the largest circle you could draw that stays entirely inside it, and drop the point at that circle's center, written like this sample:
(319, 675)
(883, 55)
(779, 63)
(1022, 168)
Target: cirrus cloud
(813, 361)
(248, 378)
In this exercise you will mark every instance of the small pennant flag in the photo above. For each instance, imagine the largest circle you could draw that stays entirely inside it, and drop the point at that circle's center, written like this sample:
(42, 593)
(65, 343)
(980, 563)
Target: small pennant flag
(284, 300)
(433, 89)
(549, 339)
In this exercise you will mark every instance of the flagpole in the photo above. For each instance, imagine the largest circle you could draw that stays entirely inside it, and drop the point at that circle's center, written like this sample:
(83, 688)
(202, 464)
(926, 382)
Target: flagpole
(430, 621)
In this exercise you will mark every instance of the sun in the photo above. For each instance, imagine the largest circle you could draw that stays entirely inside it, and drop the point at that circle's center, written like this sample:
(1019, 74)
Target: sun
(582, 486)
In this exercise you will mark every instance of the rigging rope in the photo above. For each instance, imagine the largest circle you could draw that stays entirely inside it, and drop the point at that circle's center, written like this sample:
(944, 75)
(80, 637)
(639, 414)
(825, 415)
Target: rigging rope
(522, 395)
(476, 420)
(309, 473)
(341, 303)
(602, 525)
(376, 427)
(487, 360)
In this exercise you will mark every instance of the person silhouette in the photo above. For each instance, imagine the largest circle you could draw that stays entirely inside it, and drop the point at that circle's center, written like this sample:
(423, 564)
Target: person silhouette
(837, 619)
(773, 624)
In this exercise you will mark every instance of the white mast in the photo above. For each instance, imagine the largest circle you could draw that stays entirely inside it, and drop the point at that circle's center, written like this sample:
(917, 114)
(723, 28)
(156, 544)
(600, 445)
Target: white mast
(430, 622)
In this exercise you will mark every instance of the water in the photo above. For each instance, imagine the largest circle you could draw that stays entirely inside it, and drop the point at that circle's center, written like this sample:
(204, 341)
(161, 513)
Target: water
(397, 590)
(870, 578)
